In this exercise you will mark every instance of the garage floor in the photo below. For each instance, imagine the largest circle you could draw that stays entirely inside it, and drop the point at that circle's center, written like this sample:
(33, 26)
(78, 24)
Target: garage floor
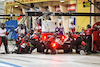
(46, 60)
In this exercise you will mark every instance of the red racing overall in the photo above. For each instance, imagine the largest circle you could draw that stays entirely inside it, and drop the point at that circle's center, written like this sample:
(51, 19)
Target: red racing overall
(77, 40)
(88, 34)
(49, 46)
(23, 45)
(35, 41)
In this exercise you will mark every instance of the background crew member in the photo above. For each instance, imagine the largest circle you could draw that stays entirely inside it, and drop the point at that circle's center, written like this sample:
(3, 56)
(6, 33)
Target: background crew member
(56, 27)
(60, 30)
(3, 39)
(88, 34)
(38, 28)
(72, 27)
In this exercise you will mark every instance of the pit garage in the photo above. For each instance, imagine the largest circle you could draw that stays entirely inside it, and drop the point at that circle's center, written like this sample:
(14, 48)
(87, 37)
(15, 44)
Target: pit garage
(53, 33)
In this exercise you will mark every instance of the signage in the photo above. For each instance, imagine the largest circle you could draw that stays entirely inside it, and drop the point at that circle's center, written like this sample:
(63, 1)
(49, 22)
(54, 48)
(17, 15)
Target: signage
(12, 2)
(70, 7)
(81, 1)
(86, 4)
(58, 8)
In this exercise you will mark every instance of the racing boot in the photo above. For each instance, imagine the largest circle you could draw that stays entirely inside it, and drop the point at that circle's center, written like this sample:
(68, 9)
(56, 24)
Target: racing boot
(88, 52)
(47, 51)
(31, 49)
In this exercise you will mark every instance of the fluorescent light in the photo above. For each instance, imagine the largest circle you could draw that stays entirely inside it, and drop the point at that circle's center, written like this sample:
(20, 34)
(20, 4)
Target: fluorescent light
(2, 0)
(16, 5)
(62, 1)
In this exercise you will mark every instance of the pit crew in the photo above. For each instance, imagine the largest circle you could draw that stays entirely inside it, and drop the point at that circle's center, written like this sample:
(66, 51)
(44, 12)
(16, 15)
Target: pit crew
(3, 39)
(76, 41)
(72, 27)
(60, 29)
(35, 41)
(56, 27)
(88, 34)
(38, 28)
(21, 32)
(31, 33)
(23, 46)
(49, 44)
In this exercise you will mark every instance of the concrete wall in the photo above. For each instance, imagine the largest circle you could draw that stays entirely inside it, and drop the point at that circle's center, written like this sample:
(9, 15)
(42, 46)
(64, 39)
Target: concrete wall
(82, 21)
(1, 10)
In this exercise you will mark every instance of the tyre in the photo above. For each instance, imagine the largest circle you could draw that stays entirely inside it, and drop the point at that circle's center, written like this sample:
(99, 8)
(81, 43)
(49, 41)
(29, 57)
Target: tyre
(65, 51)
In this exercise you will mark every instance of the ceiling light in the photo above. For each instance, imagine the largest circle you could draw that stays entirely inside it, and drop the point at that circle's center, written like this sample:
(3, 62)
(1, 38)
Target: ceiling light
(62, 1)
(16, 5)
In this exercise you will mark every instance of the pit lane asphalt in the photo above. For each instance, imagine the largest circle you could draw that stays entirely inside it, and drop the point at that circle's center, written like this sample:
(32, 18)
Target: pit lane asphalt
(47, 60)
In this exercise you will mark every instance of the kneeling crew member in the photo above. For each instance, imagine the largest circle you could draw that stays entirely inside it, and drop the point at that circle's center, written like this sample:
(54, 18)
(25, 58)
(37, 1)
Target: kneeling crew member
(49, 46)
(35, 41)
(24, 45)
(77, 41)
